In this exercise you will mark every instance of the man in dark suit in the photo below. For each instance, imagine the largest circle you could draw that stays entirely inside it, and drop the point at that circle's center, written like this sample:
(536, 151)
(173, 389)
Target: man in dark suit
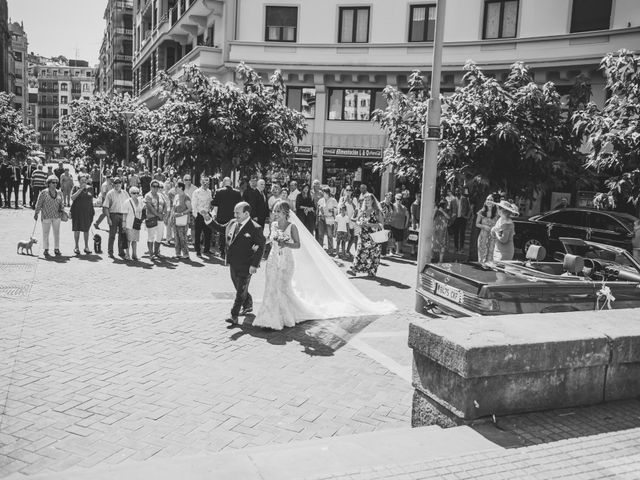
(245, 246)
(224, 201)
(15, 177)
(27, 171)
(254, 195)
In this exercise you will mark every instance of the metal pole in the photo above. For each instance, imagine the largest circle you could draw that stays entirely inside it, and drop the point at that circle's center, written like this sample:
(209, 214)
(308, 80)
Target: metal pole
(430, 162)
(127, 154)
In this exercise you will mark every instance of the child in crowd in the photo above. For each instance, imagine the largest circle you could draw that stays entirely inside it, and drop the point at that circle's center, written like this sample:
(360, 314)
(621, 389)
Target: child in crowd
(342, 224)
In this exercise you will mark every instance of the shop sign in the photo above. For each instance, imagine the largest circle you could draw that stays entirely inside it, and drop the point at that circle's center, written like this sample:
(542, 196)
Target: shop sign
(303, 151)
(352, 152)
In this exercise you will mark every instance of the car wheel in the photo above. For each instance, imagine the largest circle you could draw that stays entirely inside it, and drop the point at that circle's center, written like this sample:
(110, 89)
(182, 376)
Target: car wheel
(528, 243)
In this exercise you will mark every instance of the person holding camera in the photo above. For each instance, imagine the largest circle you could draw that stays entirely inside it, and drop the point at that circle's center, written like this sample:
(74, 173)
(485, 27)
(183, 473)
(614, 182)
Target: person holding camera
(82, 212)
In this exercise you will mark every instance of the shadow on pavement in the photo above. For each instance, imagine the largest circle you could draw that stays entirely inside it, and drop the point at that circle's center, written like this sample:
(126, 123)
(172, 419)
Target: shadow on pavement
(385, 282)
(400, 260)
(319, 338)
(60, 259)
(89, 258)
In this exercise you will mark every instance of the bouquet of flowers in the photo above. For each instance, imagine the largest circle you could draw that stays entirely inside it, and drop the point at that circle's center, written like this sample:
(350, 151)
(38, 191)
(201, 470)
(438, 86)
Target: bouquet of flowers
(280, 238)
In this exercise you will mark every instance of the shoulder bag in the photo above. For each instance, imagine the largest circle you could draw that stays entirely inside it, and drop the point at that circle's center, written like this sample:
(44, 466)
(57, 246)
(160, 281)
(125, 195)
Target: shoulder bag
(137, 222)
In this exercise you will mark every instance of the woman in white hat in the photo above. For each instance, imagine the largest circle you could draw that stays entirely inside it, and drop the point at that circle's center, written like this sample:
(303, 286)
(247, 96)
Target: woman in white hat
(503, 231)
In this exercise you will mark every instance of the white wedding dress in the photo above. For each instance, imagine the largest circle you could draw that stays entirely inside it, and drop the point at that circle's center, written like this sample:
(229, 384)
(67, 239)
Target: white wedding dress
(305, 284)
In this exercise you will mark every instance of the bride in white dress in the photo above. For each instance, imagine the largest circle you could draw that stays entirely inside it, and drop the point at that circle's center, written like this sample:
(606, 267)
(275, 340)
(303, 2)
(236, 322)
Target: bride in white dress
(303, 283)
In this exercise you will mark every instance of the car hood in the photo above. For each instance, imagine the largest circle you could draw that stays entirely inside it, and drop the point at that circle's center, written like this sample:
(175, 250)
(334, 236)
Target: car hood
(473, 276)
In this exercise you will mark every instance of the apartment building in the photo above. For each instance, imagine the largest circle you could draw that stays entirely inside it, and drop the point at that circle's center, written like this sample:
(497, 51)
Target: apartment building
(4, 47)
(58, 84)
(337, 56)
(18, 71)
(114, 69)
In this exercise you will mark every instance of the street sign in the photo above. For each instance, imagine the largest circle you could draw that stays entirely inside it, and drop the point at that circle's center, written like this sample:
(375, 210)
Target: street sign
(101, 153)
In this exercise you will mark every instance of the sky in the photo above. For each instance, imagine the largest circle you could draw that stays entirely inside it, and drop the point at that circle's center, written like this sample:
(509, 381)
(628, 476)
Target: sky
(72, 28)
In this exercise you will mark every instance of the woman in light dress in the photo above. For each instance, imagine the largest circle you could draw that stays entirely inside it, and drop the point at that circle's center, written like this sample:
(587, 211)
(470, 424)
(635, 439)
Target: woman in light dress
(503, 232)
(302, 282)
(485, 220)
(440, 238)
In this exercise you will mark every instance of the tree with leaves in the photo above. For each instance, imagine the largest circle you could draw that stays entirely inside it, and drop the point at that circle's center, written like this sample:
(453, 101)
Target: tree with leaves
(513, 135)
(613, 133)
(16, 139)
(209, 126)
(99, 123)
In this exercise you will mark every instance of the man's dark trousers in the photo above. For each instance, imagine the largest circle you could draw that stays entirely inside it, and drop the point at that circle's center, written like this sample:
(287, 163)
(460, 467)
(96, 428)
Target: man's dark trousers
(26, 185)
(14, 187)
(243, 297)
(200, 229)
(459, 230)
(117, 226)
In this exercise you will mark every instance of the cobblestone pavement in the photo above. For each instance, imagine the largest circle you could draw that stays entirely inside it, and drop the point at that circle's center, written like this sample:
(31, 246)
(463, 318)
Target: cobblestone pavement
(103, 361)
(608, 455)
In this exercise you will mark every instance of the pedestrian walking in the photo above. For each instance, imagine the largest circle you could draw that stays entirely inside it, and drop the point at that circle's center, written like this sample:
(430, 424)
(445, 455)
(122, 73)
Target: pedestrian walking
(200, 205)
(50, 204)
(369, 218)
(105, 188)
(462, 214)
(15, 178)
(485, 221)
(342, 230)
(305, 208)
(399, 222)
(114, 209)
(156, 209)
(224, 201)
(181, 214)
(38, 183)
(145, 181)
(327, 209)
(503, 231)
(95, 180)
(66, 185)
(440, 238)
(27, 172)
(133, 222)
(351, 205)
(82, 212)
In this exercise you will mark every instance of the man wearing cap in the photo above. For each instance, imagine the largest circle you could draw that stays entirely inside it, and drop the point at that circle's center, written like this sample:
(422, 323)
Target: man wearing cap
(114, 208)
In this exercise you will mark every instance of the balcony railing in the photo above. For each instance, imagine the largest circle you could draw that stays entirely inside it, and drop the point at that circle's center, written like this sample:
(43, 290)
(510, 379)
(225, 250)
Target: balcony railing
(124, 31)
(48, 102)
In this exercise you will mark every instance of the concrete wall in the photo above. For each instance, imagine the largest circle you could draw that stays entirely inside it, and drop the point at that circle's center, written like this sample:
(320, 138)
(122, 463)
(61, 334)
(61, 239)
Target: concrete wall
(468, 368)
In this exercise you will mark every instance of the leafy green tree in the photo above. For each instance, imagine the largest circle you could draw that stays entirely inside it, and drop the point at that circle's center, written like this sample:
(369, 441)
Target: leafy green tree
(513, 135)
(613, 133)
(99, 123)
(16, 139)
(211, 127)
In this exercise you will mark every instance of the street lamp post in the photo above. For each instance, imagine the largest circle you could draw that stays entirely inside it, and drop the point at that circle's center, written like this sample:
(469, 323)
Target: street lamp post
(127, 119)
(430, 161)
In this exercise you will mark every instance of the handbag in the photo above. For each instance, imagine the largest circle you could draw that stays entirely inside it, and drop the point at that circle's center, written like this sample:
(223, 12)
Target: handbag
(151, 222)
(182, 220)
(380, 236)
(137, 222)
(64, 216)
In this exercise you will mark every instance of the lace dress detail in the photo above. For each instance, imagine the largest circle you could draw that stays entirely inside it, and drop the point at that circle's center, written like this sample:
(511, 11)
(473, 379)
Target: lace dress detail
(281, 306)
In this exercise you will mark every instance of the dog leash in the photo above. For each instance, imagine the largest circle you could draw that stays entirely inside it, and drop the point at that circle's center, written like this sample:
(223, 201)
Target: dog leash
(35, 224)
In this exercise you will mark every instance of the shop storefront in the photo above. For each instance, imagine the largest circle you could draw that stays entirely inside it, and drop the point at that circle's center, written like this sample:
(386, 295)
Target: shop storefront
(298, 170)
(351, 166)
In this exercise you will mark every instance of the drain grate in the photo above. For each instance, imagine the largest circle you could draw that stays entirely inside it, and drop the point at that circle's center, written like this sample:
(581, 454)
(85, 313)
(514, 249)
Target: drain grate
(14, 291)
(16, 267)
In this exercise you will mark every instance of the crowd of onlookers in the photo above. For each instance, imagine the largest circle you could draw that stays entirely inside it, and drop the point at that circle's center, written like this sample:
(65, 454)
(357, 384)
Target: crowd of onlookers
(174, 211)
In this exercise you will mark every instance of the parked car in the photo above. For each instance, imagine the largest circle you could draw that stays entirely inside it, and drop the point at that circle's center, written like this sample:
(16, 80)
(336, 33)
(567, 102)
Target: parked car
(611, 228)
(586, 276)
(72, 170)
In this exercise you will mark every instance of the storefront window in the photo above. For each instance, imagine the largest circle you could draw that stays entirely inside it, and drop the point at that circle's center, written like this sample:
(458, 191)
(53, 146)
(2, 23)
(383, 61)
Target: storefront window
(354, 104)
(303, 100)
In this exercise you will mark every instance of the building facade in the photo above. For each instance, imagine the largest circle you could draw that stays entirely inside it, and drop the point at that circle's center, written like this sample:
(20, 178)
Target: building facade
(57, 86)
(337, 56)
(4, 47)
(116, 53)
(18, 71)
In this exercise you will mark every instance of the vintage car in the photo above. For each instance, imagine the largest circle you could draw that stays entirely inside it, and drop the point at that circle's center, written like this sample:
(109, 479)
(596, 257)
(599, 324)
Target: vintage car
(587, 276)
(611, 228)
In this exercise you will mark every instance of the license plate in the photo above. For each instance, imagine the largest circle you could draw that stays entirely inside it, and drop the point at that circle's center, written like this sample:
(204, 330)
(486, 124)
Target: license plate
(449, 292)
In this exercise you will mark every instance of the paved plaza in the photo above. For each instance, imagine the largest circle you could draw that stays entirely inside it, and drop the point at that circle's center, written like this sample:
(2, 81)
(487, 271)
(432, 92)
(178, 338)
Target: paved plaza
(106, 365)
(103, 361)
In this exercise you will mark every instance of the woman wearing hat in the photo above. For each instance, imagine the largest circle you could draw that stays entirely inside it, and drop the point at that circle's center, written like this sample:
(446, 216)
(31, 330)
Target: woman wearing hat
(50, 203)
(503, 231)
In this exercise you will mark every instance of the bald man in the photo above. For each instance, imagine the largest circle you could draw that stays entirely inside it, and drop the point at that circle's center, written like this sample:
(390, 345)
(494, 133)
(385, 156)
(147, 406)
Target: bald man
(224, 201)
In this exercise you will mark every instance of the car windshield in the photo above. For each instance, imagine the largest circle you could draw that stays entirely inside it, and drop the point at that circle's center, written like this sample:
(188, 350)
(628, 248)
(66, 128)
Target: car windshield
(626, 219)
(595, 252)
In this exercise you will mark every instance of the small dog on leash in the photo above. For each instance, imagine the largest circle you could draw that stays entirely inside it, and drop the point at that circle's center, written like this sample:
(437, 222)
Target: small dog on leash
(97, 243)
(26, 246)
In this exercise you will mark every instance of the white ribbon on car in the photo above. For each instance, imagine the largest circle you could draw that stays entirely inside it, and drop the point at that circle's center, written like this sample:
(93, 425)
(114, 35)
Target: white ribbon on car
(604, 295)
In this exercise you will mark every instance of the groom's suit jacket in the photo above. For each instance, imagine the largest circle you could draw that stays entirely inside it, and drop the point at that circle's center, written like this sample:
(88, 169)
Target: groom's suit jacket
(240, 253)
